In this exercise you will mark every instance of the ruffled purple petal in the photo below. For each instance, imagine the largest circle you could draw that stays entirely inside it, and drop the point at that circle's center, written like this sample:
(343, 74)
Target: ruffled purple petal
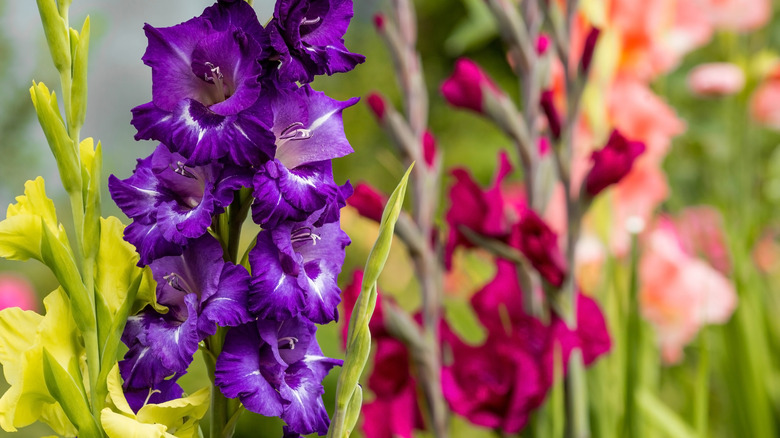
(149, 242)
(306, 412)
(204, 136)
(169, 54)
(138, 195)
(164, 391)
(228, 307)
(290, 339)
(160, 345)
(274, 291)
(290, 195)
(308, 127)
(246, 369)
(307, 34)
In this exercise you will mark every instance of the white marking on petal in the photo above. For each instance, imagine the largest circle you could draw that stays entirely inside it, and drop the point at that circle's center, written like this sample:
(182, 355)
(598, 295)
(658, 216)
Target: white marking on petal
(322, 119)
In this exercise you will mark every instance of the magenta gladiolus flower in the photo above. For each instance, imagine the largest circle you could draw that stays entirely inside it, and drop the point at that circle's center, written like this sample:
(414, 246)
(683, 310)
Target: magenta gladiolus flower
(539, 244)
(612, 162)
(488, 212)
(467, 86)
(16, 291)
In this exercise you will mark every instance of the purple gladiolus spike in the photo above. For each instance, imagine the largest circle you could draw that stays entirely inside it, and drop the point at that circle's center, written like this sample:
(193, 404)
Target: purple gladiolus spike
(205, 87)
(308, 37)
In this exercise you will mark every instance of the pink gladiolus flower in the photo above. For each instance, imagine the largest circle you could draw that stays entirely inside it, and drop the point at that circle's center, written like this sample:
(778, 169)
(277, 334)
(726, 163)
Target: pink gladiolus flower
(739, 15)
(701, 233)
(765, 102)
(642, 116)
(539, 244)
(679, 292)
(467, 85)
(613, 162)
(368, 201)
(716, 79)
(16, 291)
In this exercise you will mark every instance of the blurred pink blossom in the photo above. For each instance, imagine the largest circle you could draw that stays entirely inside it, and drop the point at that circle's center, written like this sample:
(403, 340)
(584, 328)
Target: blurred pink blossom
(636, 195)
(716, 79)
(765, 102)
(642, 116)
(16, 291)
(680, 293)
(701, 233)
(739, 15)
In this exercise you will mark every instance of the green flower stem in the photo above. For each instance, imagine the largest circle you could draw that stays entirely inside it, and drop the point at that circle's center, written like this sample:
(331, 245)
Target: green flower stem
(219, 403)
(701, 400)
(631, 424)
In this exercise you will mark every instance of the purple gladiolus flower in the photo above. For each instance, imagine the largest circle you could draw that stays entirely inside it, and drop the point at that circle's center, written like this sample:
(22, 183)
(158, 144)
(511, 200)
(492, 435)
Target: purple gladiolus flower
(205, 87)
(172, 203)
(308, 37)
(201, 292)
(295, 267)
(309, 133)
(276, 369)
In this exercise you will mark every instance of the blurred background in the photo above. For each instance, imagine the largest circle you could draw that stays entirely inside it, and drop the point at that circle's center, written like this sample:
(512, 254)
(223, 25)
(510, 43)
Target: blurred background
(727, 157)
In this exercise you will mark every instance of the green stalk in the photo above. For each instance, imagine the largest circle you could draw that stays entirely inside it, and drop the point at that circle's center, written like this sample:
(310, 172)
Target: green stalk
(631, 425)
(701, 401)
(219, 403)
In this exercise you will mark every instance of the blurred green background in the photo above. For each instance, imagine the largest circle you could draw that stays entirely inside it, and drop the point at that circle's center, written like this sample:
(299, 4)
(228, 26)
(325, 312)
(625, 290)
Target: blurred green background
(723, 159)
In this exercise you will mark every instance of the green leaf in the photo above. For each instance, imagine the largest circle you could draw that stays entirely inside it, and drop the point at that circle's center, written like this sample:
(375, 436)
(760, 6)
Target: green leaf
(359, 336)
(474, 31)
(71, 395)
(661, 417)
(463, 321)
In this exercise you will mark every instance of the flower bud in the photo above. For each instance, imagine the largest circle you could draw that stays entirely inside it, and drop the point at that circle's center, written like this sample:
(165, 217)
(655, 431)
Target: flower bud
(612, 162)
(377, 104)
(429, 148)
(590, 47)
(368, 201)
(467, 85)
(547, 102)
